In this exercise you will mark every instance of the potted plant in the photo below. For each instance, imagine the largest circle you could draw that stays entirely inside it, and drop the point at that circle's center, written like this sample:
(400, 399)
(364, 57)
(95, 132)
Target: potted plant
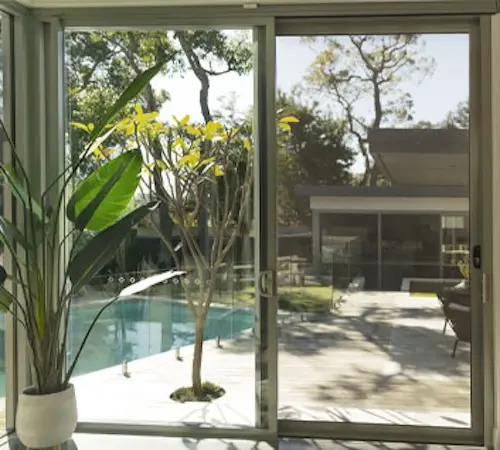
(45, 278)
(460, 292)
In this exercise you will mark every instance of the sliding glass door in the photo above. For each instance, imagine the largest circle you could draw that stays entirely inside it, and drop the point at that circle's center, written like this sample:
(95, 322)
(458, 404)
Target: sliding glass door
(193, 352)
(379, 311)
(318, 213)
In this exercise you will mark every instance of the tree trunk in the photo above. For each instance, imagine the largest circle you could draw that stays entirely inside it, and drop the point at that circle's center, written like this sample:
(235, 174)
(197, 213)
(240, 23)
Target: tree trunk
(198, 353)
(204, 79)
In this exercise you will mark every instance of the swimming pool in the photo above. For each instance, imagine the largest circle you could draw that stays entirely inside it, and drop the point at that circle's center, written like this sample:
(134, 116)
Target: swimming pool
(144, 326)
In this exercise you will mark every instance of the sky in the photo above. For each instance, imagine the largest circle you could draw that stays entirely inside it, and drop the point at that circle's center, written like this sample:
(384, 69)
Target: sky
(433, 98)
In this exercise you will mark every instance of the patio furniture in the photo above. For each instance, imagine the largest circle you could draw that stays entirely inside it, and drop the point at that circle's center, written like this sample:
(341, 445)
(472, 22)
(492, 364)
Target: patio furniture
(459, 294)
(459, 317)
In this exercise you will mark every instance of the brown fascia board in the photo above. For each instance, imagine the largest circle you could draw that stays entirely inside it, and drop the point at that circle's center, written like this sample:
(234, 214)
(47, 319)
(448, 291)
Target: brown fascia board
(415, 140)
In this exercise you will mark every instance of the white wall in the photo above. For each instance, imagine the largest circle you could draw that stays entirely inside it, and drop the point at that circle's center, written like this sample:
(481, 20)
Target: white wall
(388, 204)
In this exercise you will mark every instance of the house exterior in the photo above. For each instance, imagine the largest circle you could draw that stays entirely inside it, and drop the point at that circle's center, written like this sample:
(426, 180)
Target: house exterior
(415, 229)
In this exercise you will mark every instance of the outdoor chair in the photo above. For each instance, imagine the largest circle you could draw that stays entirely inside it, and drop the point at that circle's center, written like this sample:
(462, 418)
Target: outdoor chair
(458, 295)
(459, 318)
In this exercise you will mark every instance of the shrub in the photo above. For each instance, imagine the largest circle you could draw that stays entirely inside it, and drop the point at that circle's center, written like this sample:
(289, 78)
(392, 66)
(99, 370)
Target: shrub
(210, 392)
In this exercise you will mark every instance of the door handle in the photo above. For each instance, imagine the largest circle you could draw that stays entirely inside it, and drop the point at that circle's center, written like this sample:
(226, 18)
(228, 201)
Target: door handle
(267, 283)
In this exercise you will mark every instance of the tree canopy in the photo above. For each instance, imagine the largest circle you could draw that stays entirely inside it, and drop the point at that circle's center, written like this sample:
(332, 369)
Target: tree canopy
(365, 76)
(315, 153)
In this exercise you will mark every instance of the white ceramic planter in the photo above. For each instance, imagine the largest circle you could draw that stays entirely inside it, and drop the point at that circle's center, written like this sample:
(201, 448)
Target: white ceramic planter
(46, 420)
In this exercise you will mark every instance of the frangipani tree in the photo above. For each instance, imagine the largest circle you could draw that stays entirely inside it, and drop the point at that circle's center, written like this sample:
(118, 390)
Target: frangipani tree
(203, 167)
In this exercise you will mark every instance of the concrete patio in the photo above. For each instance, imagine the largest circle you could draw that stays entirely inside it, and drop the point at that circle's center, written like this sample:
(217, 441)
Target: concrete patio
(381, 359)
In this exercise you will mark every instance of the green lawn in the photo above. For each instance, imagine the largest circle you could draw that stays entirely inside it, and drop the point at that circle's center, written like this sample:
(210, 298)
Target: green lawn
(311, 299)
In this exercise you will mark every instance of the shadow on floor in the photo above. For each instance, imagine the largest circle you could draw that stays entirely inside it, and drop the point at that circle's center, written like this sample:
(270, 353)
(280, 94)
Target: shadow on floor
(117, 442)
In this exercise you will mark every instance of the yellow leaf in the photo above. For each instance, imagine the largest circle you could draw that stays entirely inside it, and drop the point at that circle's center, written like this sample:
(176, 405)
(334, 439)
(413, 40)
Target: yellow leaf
(192, 130)
(130, 129)
(149, 117)
(161, 164)
(123, 124)
(284, 126)
(212, 128)
(157, 127)
(179, 142)
(247, 145)
(207, 161)
(289, 119)
(191, 160)
(218, 172)
(184, 121)
(81, 126)
(138, 109)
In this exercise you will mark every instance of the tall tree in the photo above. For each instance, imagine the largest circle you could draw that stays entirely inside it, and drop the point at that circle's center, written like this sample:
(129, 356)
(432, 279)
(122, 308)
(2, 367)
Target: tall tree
(459, 117)
(456, 118)
(367, 73)
(315, 152)
(100, 63)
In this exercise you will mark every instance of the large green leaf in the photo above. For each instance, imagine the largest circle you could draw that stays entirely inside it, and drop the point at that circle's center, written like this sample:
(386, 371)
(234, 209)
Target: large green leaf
(102, 247)
(10, 234)
(6, 298)
(20, 191)
(129, 94)
(100, 200)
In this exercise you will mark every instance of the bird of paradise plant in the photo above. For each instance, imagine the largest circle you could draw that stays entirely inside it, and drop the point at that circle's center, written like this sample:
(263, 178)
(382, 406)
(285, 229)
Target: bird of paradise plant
(45, 278)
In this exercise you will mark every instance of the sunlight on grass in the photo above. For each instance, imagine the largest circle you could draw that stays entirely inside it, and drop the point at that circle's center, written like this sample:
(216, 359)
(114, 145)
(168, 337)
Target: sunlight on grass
(313, 299)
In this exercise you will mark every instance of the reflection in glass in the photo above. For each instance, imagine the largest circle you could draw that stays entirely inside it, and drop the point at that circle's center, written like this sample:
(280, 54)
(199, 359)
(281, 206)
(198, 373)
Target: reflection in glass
(409, 248)
(350, 246)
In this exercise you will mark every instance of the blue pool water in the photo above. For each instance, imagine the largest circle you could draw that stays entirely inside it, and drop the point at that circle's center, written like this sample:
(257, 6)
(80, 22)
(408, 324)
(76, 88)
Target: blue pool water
(140, 327)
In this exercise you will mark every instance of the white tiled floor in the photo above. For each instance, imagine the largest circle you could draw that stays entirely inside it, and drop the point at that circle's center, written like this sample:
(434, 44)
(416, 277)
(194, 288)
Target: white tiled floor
(107, 442)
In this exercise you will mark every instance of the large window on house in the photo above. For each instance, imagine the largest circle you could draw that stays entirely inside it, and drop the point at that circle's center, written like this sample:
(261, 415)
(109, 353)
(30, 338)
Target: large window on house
(409, 248)
(455, 244)
(349, 247)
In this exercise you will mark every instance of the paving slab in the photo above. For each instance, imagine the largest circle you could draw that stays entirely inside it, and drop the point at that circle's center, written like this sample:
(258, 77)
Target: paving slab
(382, 358)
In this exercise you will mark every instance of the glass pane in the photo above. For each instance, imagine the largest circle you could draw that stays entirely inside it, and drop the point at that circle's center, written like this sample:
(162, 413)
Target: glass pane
(409, 249)
(349, 245)
(455, 244)
(373, 196)
(182, 351)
